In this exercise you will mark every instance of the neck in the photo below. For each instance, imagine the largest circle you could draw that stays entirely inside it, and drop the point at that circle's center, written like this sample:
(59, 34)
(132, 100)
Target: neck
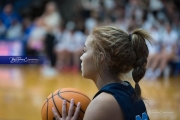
(104, 79)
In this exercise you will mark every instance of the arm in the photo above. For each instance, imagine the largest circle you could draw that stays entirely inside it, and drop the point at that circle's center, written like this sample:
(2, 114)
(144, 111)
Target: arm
(104, 107)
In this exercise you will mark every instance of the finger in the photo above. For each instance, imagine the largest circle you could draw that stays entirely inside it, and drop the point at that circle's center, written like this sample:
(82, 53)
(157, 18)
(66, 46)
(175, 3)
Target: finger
(64, 109)
(76, 114)
(55, 114)
(71, 108)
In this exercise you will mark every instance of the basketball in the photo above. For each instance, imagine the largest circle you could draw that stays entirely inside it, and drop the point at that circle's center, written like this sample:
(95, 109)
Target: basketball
(56, 98)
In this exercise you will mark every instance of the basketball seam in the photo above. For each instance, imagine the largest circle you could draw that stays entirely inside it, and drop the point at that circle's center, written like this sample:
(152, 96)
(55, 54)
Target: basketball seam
(77, 92)
(58, 93)
(43, 106)
(55, 105)
(45, 103)
(49, 98)
(64, 92)
(47, 110)
(68, 101)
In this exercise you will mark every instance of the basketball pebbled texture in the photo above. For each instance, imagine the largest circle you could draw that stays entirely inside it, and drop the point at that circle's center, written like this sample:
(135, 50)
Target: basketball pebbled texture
(56, 98)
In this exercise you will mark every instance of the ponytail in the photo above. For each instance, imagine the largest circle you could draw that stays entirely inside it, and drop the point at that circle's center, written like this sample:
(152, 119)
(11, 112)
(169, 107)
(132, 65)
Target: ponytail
(140, 48)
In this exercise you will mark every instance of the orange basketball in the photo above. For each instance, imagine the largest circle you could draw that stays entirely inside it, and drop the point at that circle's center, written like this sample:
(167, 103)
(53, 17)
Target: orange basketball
(56, 98)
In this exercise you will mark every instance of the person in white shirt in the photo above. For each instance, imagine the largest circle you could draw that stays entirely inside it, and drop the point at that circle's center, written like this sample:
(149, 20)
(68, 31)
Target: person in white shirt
(51, 20)
(154, 53)
(168, 51)
(70, 48)
(37, 36)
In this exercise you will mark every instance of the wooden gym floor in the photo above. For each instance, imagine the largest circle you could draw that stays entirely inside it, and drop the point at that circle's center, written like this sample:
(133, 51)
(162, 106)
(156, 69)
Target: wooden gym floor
(23, 90)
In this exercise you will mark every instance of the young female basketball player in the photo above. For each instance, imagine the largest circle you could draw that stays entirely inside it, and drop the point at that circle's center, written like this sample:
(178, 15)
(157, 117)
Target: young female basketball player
(109, 54)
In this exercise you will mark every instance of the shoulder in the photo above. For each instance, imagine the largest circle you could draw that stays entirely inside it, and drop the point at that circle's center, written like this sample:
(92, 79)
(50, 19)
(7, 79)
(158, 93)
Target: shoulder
(104, 107)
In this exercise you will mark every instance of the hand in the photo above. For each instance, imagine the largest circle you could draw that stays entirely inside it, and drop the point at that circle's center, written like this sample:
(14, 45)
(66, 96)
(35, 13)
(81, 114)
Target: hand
(70, 116)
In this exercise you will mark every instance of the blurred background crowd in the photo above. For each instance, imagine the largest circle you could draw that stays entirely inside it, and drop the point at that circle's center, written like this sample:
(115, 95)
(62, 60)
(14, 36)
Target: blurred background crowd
(58, 29)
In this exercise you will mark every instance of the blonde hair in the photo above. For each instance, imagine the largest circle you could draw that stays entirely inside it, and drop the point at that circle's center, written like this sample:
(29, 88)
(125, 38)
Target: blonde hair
(123, 51)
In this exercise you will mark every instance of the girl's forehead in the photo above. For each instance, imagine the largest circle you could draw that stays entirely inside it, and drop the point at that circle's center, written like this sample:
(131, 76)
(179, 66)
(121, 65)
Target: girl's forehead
(88, 40)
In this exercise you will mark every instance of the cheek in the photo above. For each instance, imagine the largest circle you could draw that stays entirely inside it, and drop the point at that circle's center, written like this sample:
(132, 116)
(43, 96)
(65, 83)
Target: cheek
(88, 67)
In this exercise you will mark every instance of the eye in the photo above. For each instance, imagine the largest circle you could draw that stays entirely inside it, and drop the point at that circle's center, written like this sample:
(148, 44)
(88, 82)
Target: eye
(84, 50)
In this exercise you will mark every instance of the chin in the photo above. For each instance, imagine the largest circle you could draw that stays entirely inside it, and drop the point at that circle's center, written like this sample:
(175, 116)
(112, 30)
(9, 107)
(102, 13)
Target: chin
(86, 76)
(83, 75)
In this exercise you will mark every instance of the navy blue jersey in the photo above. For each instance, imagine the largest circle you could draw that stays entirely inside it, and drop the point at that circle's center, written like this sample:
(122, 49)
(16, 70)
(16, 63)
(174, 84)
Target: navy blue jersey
(123, 93)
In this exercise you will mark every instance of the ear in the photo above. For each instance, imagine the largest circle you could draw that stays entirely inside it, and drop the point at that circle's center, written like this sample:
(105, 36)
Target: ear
(102, 57)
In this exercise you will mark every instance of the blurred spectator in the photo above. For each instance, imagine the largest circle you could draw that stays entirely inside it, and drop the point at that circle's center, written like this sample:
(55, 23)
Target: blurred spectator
(155, 6)
(79, 40)
(168, 51)
(14, 31)
(70, 47)
(91, 22)
(169, 42)
(27, 27)
(154, 53)
(8, 16)
(109, 4)
(11, 21)
(91, 4)
(176, 24)
(36, 37)
(51, 20)
(132, 24)
(2, 30)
